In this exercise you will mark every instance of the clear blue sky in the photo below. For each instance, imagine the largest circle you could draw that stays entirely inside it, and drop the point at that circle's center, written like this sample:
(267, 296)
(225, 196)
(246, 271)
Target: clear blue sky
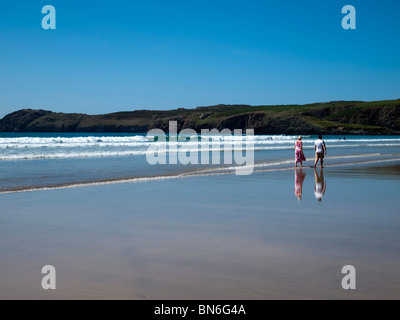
(108, 56)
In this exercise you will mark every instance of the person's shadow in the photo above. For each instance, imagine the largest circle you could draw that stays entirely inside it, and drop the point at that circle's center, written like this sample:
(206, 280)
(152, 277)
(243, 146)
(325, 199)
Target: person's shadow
(320, 185)
(298, 182)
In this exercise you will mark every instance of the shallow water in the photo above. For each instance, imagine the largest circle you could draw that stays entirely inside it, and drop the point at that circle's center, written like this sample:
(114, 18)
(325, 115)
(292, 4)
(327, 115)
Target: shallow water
(34, 161)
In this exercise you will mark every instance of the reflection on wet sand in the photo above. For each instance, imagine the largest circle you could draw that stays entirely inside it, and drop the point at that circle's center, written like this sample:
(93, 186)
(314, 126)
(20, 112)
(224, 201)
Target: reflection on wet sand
(320, 184)
(160, 240)
(298, 183)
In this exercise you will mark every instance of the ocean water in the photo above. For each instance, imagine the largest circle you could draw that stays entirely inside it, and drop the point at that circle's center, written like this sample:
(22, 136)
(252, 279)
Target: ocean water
(35, 161)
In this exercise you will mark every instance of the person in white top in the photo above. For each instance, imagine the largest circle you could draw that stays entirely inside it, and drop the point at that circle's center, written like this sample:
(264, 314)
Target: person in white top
(320, 151)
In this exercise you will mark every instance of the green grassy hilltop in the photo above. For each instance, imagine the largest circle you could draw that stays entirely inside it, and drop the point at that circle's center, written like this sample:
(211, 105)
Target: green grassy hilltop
(338, 117)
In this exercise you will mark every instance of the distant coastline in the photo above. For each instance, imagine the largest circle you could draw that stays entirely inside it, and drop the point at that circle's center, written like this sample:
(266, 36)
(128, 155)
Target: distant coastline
(337, 117)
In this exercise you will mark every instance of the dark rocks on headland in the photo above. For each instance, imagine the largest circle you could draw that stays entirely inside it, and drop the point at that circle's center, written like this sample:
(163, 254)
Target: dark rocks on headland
(19, 120)
(339, 117)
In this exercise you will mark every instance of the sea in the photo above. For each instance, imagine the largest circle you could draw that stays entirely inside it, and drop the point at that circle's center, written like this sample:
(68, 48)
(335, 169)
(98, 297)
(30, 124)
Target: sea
(34, 161)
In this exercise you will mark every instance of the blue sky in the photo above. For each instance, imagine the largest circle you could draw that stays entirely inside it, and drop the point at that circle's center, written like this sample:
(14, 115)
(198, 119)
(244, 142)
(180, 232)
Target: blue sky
(108, 56)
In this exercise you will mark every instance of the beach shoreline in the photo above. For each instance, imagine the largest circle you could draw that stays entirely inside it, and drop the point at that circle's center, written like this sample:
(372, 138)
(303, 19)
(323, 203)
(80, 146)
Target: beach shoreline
(264, 167)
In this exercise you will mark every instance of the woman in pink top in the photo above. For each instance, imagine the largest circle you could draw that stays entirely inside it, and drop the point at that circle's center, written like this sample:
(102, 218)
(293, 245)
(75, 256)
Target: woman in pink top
(299, 152)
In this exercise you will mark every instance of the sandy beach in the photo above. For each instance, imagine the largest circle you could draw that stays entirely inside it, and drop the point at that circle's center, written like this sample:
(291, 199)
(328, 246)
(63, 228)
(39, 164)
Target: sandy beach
(214, 237)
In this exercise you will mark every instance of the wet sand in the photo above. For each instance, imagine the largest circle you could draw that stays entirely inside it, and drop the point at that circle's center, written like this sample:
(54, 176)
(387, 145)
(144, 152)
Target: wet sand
(211, 237)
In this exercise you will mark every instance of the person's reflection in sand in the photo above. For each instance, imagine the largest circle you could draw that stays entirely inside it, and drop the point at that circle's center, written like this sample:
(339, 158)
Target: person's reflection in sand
(320, 185)
(298, 183)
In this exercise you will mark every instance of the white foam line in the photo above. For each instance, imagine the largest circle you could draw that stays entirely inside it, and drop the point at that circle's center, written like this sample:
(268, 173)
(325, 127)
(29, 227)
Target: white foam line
(178, 176)
(97, 154)
(76, 145)
(93, 184)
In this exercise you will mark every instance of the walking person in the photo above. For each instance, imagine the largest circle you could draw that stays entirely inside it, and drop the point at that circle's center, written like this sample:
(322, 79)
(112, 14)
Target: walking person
(320, 151)
(299, 155)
